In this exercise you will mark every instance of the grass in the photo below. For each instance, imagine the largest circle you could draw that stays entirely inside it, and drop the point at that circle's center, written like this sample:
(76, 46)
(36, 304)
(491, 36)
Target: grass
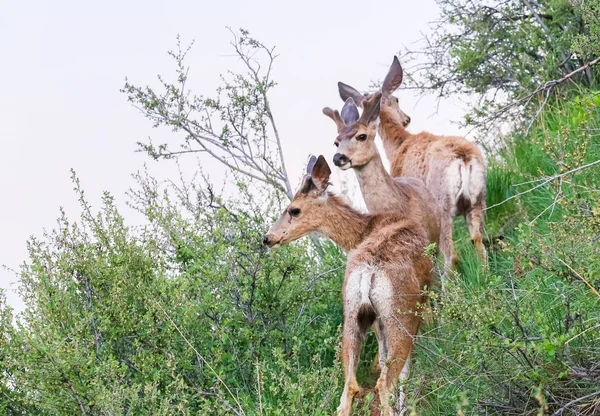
(513, 339)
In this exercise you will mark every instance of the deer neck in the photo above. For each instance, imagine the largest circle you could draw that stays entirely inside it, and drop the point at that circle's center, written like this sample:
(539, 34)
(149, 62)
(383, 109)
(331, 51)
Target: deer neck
(346, 226)
(392, 132)
(375, 184)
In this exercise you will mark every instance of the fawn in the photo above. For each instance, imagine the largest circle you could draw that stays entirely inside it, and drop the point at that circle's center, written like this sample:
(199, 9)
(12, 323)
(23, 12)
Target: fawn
(452, 168)
(386, 274)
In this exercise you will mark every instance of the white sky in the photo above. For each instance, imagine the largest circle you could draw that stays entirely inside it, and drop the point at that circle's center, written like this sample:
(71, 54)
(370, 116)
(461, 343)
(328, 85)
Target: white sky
(63, 63)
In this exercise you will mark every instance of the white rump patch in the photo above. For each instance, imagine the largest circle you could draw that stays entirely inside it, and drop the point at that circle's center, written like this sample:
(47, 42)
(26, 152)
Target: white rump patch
(358, 284)
(466, 180)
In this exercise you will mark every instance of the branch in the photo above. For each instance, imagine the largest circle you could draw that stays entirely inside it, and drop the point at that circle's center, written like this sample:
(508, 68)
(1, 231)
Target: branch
(592, 288)
(545, 181)
(241, 113)
(572, 402)
(547, 85)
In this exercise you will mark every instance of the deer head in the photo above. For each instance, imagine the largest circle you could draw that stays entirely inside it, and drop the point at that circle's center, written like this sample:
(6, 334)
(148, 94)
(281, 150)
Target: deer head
(391, 83)
(356, 134)
(304, 214)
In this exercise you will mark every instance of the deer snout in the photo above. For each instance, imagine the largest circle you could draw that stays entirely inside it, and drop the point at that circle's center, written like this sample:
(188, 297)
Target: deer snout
(271, 241)
(340, 159)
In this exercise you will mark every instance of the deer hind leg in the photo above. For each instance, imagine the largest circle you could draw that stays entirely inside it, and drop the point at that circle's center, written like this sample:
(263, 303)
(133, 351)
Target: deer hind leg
(475, 222)
(446, 244)
(352, 340)
(398, 342)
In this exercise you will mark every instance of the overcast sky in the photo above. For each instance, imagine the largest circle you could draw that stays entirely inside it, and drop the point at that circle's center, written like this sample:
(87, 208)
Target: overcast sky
(63, 63)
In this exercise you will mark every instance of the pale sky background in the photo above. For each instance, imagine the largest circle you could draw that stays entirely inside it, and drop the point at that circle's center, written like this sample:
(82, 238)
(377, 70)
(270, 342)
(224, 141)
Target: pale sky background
(63, 63)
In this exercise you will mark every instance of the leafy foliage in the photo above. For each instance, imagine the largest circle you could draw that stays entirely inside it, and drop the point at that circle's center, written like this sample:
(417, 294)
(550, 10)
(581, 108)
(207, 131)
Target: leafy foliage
(520, 339)
(500, 51)
(188, 315)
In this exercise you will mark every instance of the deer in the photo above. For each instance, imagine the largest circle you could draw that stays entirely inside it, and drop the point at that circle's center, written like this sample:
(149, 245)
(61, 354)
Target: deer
(452, 168)
(356, 149)
(386, 275)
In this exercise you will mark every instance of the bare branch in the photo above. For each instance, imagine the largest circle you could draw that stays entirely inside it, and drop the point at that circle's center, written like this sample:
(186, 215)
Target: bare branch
(572, 402)
(545, 181)
(234, 128)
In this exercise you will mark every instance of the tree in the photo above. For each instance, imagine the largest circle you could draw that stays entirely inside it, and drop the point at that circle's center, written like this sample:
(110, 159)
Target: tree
(499, 51)
(236, 127)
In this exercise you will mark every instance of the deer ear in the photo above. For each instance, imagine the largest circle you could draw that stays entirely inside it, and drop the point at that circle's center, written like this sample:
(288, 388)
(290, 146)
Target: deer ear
(306, 185)
(393, 79)
(346, 91)
(311, 164)
(320, 174)
(349, 112)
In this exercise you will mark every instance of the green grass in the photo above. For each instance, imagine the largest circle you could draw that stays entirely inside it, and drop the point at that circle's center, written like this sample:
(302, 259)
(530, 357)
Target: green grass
(509, 340)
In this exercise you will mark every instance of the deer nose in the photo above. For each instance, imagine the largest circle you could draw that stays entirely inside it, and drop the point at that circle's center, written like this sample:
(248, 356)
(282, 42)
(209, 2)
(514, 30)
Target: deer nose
(340, 159)
(266, 240)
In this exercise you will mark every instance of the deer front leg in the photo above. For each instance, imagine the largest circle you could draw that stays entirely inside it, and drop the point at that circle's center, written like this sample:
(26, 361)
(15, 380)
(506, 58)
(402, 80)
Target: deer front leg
(376, 366)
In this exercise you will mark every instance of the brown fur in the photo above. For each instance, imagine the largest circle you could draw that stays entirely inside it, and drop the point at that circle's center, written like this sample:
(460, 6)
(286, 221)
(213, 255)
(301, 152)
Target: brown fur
(393, 246)
(382, 192)
(428, 157)
(425, 156)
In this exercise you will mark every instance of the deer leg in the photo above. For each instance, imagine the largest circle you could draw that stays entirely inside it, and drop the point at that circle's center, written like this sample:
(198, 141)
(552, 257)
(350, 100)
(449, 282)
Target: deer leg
(376, 366)
(446, 244)
(475, 223)
(352, 340)
(398, 340)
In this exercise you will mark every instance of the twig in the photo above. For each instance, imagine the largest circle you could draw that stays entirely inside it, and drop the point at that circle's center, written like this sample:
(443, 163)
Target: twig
(537, 114)
(199, 355)
(582, 332)
(547, 85)
(572, 402)
(552, 205)
(593, 289)
(545, 181)
(258, 382)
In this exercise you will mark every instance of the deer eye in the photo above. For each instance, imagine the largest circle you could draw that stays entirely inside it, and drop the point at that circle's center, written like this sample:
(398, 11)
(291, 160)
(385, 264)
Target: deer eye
(361, 137)
(294, 212)
(336, 144)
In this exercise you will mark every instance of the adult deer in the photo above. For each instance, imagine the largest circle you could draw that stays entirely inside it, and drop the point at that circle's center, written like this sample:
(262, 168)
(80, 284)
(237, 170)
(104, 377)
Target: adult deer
(386, 274)
(452, 168)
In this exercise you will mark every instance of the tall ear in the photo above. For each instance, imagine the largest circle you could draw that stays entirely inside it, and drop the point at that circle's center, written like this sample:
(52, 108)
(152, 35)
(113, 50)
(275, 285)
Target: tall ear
(346, 91)
(349, 112)
(335, 116)
(311, 164)
(320, 174)
(393, 79)
(371, 109)
(306, 185)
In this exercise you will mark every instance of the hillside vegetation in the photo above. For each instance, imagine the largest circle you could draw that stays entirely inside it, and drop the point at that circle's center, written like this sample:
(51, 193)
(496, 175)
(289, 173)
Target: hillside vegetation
(191, 315)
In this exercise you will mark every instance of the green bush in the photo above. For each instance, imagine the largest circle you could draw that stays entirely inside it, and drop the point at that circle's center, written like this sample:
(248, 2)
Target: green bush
(190, 314)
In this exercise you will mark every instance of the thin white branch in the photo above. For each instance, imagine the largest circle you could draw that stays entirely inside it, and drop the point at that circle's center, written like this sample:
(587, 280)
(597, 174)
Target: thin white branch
(545, 181)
